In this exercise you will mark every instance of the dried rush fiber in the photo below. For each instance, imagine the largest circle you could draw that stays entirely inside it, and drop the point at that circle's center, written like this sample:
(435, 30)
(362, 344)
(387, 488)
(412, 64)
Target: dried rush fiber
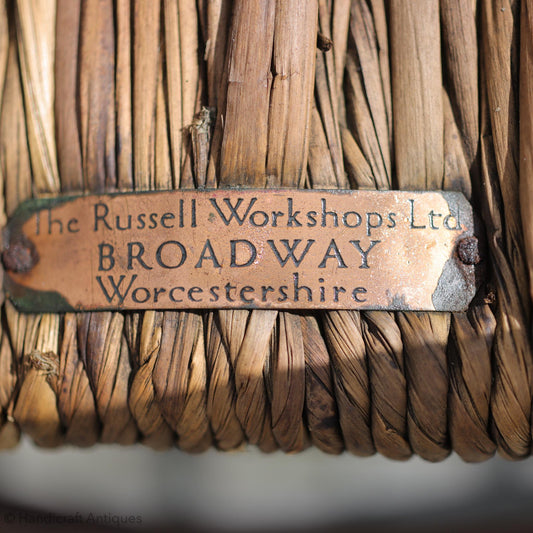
(104, 95)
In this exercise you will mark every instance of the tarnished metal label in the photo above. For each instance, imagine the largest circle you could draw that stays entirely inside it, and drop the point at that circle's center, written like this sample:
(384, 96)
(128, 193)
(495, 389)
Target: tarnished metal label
(281, 249)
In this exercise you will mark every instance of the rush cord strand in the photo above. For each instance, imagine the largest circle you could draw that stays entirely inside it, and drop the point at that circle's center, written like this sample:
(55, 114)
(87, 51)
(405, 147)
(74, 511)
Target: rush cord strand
(105, 96)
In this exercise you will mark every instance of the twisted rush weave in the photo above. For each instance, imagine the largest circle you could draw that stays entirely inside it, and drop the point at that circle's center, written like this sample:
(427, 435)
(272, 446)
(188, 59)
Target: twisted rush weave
(110, 95)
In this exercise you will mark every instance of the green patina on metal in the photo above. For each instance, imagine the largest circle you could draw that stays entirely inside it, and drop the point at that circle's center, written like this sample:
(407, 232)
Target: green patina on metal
(28, 300)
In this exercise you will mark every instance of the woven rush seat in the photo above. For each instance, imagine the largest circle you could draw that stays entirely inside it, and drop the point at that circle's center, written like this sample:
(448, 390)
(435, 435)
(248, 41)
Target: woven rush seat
(104, 96)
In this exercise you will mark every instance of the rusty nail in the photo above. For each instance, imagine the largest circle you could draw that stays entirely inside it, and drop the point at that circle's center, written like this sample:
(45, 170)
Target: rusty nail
(468, 251)
(20, 255)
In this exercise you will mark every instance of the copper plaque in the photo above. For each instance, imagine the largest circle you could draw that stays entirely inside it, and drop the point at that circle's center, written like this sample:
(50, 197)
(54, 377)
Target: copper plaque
(282, 249)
